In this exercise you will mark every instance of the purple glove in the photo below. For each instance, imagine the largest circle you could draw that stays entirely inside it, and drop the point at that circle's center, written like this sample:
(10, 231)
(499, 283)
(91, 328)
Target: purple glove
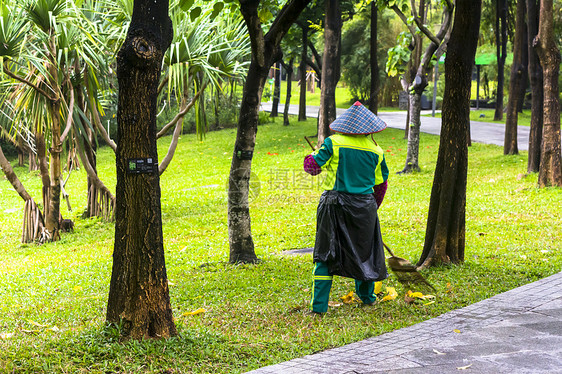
(310, 165)
(379, 192)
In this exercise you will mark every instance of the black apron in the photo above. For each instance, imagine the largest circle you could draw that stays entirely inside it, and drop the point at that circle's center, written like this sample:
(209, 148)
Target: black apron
(348, 236)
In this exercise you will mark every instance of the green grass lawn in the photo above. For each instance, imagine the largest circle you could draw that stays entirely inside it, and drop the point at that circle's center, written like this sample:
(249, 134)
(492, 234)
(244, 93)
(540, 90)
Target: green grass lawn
(343, 96)
(53, 297)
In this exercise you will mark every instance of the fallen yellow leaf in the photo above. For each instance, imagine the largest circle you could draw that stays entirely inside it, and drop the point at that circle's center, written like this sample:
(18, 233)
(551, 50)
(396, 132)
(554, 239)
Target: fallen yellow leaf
(36, 323)
(347, 299)
(457, 331)
(378, 287)
(390, 294)
(419, 295)
(77, 288)
(198, 311)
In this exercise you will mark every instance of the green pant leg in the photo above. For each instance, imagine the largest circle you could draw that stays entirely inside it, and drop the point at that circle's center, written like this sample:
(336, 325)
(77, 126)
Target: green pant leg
(321, 288)
(366, 291)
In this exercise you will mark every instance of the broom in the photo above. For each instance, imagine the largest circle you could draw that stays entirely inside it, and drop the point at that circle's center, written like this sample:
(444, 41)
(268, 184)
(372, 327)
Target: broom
(405, 271)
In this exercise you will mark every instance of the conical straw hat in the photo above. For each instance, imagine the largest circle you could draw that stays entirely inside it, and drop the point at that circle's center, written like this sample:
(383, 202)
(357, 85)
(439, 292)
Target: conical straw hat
(358, 120)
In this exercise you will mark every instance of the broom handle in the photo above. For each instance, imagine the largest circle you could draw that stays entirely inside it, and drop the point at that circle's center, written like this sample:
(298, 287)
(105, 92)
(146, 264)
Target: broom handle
(310, 144)
(388, 249)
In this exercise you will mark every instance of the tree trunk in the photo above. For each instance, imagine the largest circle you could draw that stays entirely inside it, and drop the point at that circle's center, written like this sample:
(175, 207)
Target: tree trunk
(375, 71)
(445, 233)
(413, 65)
(52, 213)
(12, 177)
(43, 170)
(139, 298)
(33, 223)
(517, 80)
(535, 77)
(302, 73)
(550, 172)
(239, 222)
(33, 166)
(265, 50)
(331, 61)
(289, 69)
(93, 208)
(437, 44)
(276, 91)
(414, 113)
(501, 50)
(525, 61)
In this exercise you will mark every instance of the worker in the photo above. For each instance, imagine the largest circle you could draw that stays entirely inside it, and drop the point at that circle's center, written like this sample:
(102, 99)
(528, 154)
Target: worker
(348, 237)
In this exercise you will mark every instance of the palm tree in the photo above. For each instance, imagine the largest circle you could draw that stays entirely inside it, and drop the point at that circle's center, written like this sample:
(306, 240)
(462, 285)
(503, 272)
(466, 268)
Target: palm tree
(60, 83)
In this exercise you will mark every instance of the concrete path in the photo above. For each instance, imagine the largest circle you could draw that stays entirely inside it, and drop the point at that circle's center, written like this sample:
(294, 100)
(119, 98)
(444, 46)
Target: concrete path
(519, 331)
(481, 132)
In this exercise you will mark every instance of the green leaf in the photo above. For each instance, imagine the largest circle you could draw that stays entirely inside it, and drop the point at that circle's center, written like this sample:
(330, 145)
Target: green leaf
(217, 8)
(264, 15)
(186, 4)
(195, 13)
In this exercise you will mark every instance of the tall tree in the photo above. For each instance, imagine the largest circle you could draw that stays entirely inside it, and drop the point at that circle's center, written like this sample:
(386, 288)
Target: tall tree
(535, 78)
(330, 69)
(517, 80)
(375, 71)
(437, 44)
(289, 69)
(138, 296)
(276, 90)
(265, 50)
(501, 54)
(445, 233)
(302, 70)
(550, 172)
(42, 48)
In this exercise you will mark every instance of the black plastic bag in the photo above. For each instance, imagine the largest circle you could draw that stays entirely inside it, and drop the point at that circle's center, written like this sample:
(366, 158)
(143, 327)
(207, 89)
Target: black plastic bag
(348, 236)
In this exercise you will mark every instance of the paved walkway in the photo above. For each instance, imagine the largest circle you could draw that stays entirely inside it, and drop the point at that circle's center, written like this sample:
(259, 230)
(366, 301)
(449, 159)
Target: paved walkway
(519, 331)
(481, 132)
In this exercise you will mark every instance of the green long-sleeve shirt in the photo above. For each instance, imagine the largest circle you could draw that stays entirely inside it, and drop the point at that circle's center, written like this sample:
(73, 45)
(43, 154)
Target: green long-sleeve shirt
(353, 163)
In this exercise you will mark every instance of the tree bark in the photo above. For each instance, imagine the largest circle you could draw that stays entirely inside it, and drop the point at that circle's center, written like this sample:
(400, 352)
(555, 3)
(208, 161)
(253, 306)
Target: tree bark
(536, 81)
(43, 170)
(445, 233)
(501, 51)
(375, 71)
(265, 50)
(517, 80)
(302, 73)
(331, 61)
(550, 172)
(139, 298)
(289, 69)
(276, 90)
(52, 214)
